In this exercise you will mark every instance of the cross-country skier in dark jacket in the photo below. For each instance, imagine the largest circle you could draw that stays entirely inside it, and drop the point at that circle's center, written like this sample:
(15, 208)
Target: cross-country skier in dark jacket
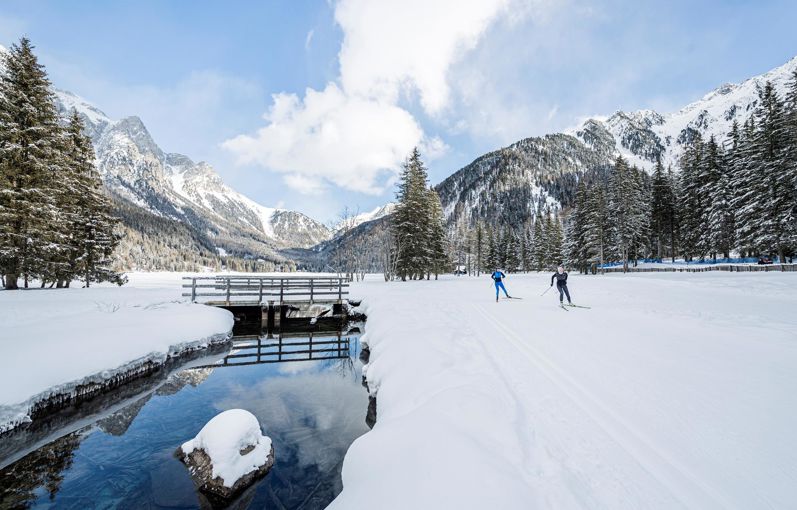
(561, 284)
(497, 276)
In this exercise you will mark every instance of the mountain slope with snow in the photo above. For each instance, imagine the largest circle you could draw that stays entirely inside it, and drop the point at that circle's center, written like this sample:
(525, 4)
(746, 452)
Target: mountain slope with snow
(135, 168)
(645, 135)
(508, 186)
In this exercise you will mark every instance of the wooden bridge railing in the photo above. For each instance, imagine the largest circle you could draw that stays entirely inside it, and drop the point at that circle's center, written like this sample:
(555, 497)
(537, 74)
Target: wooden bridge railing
(260, 289)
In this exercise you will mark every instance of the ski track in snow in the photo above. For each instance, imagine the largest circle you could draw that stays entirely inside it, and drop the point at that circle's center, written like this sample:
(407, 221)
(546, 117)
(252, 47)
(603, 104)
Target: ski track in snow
(667, 470)
(672, 391)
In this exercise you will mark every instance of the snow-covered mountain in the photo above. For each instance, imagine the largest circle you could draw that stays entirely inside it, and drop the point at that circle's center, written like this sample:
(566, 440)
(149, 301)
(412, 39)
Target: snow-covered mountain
(171, 185)
(510, 184)
(645, 135)
(358, 219)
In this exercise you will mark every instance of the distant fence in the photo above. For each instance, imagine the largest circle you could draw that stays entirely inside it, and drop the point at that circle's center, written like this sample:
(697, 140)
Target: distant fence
(734, 268)
(260, 289)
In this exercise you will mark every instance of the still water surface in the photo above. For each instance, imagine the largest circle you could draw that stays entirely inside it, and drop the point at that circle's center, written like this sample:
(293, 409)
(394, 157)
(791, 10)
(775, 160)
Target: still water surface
(312, 410)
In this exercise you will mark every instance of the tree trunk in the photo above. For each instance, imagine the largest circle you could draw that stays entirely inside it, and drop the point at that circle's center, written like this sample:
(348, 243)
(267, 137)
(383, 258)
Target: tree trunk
(60, 284)
(11, 280)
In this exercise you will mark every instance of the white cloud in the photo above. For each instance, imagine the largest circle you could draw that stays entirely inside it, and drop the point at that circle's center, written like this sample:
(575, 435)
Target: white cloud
(396, 45)
(354, 133)
(349, 141)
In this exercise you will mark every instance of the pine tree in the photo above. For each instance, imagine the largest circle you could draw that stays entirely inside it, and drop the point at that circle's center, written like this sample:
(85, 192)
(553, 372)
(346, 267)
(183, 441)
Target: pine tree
(528, 253)
(690, 202)
(480, 249)
(720, 228)
(662, 214)
(773, 183)
(576, 247)
(554, 240)
(439, 261)
(93, 229)
(539, 249)
(598, 224)
(790, 134)
(32, 239)
(710, 172)
(747, 184)
(627, 208)
(411, 220)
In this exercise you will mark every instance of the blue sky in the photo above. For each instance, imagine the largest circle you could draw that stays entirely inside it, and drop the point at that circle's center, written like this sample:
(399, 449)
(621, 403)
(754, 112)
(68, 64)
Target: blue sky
(311, 105)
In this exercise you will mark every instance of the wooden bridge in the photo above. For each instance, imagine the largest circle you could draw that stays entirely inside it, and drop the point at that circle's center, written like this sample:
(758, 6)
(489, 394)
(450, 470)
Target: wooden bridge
(252, 290)
(272, 301)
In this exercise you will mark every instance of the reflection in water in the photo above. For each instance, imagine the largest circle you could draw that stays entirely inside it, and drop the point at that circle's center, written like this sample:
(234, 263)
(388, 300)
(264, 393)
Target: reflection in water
(312, 410)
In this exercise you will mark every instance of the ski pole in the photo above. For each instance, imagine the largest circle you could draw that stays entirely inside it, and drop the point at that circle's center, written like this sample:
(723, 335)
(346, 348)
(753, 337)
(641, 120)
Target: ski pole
(546, 290)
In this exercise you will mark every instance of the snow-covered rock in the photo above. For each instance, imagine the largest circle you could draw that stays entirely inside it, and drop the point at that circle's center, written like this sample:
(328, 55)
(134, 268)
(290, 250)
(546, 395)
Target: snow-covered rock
(228, 454)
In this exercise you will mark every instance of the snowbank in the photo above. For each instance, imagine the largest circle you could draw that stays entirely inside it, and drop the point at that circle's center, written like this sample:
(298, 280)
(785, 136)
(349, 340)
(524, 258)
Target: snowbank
(674, 391)
(54, 341)
(223, 439)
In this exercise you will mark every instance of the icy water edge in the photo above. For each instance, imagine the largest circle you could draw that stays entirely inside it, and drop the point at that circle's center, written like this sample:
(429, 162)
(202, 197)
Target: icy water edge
(308, 399)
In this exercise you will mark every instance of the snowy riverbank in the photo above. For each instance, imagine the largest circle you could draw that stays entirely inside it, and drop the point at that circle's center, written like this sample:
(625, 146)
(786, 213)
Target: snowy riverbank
(53, 341)
(673, 391)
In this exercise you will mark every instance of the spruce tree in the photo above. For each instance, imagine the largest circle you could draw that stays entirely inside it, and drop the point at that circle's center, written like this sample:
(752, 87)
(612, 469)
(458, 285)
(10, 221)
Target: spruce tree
(411, 220)
(93, 228)
(662, 210)
(32, 241)
(720, 221)
(790, 135)
(439, 261)
(747, 183)
(576, 246)
(539, 250)
(627, 208)
(598, 224)
(690, 200)
(771, 140)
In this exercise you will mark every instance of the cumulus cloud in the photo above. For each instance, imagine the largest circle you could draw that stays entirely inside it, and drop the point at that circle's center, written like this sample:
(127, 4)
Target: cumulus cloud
(354, 133)
(409, 44)
(328, 135)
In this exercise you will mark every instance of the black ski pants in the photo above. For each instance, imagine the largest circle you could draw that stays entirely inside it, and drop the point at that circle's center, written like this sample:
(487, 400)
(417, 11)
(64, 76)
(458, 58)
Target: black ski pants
(563, 292)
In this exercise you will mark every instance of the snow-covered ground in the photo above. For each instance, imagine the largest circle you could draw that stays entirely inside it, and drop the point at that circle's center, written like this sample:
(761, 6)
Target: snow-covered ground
(674, 391)
(53, 340)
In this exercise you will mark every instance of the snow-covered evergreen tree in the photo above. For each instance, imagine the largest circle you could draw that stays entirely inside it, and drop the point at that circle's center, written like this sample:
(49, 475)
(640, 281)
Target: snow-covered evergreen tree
(411, 219)
(438, 254)
(540, 244)
(627, 208)
(720, 216)
(662, 212)
(771, 158)
(576, 245)
(93, 232)
(599, 225)
(690, 200)
(32, 240)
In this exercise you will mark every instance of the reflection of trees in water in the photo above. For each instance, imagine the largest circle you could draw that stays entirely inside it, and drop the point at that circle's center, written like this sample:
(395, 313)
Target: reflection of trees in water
(345, 368)
(44, 467)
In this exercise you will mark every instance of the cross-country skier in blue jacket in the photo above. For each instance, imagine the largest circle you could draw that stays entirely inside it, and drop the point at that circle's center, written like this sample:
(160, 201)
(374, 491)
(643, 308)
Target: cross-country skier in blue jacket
(499, 285)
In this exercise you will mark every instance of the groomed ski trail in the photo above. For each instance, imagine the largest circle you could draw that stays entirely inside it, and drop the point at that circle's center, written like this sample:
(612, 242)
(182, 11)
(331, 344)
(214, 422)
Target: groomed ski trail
(674, 393)
(683, 484)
